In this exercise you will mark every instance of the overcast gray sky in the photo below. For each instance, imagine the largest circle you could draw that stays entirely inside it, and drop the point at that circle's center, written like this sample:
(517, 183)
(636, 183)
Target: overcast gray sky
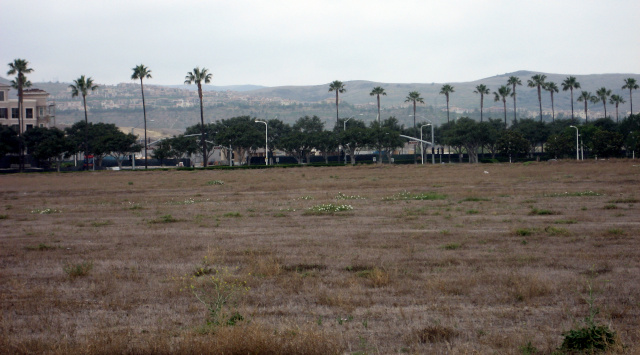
(282, 42)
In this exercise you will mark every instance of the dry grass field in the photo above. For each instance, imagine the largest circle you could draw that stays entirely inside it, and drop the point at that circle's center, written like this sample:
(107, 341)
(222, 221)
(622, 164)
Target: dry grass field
(427, 259)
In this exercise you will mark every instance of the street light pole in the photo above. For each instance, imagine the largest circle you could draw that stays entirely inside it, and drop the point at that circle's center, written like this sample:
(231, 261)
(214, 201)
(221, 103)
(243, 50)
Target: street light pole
(266, 142)
(577, 146)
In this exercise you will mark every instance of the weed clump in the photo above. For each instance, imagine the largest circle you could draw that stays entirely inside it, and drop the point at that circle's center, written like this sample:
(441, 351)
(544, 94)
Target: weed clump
(78, 270)
(405, 195)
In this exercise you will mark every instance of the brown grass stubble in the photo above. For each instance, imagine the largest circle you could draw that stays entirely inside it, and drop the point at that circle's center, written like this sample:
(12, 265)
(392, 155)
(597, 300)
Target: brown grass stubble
(388, 276)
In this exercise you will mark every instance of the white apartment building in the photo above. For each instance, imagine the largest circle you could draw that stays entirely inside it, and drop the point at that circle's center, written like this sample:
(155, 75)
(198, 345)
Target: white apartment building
(38, 112)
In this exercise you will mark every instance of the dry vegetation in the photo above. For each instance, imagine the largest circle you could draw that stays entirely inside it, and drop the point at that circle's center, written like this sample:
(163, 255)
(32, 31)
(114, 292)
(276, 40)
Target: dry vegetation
(431, 259)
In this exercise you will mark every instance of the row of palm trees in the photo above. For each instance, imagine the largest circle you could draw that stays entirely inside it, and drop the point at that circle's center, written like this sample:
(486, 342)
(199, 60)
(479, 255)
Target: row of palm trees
(509, 90)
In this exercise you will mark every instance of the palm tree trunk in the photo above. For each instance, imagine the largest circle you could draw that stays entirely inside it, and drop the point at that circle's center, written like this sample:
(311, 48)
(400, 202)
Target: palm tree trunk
(415, 156)
(337, 111)
(481, 105)
(204, 143)
(514, 104)
(631, 100)
(540, 102)
(144, 111)
(447, 108)
(572, 119)
(617, 117)
(586, 114)
(378, 108)
(604, 103)
(553, 111)
(20, 120)
(504, 104)
(86, 132)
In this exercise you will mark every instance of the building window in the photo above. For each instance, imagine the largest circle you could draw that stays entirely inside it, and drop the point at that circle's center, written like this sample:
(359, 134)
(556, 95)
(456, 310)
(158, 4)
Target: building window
(41, 125)
(29, 126)
(14, 113)
(1, 95)
(4, 113)
(40, 111)
(29, 112)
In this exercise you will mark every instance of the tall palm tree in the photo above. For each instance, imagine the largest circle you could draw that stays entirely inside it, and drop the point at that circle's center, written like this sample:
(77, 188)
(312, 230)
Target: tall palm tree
(631, 84)
(338, 87)
(414, 97)
(616, 100)
(501, 95)
(570, 83)
(81, 86)
(537, 81)
(603, 94)
(513, 81)
(20, 67)
(446, 90)
(482, 90)
(197, 76)
(585, 96)
(552, 88)
(142, 72)
(377, 91)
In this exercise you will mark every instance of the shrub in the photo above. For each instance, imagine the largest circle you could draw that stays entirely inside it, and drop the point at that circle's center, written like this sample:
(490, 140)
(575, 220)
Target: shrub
(540, 212)
(591, 336)
(167, 218)
(524, 232)
(77, 270)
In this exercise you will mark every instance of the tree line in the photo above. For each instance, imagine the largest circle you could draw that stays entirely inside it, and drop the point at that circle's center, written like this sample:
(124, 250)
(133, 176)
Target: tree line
(350, 135)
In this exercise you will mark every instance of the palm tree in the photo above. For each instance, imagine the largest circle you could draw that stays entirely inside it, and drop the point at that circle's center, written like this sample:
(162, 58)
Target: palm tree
(513, 81)
(20, 67)
(482, 90)
(378, 90)
(197, 76)
(338, 87)
(414, 97)
(603, 94)
(446, 90)
(586, 97)
(81, 86)
(631, 84)
(616, 100)
(537, 81)
(551, 87)
(142, 72)
(501, 95)
(570, 83)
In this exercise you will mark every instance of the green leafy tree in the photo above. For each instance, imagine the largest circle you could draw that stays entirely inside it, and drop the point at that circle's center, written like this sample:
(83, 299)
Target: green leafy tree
(122, 144)
(603, 94)
(470, 134)
(446, 90)
(46, 143)
(482, 90)
(616, 100)
(142, 72)
(354, 138)
(338, 87)
(631, 84)
(210, 133)
(20, 67)
(607, 143)
(242, 133)
(326, 143)
(537, 81)
(512, 143)
(9, 141)
(377, 91)
(534, 132)
(571, 83)
(389, 137)
(302, 138)
(162, 151)
(183, 147)
(561, 145)
(586, 96)
(501, 95)
(198, 76)
(82, 86)
(277, 130)
(552, 88)
(493, 127)
(514, 81)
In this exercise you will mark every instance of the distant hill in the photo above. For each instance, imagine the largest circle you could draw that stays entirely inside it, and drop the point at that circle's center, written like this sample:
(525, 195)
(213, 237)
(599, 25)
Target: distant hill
(238, 88)
(175, 106)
